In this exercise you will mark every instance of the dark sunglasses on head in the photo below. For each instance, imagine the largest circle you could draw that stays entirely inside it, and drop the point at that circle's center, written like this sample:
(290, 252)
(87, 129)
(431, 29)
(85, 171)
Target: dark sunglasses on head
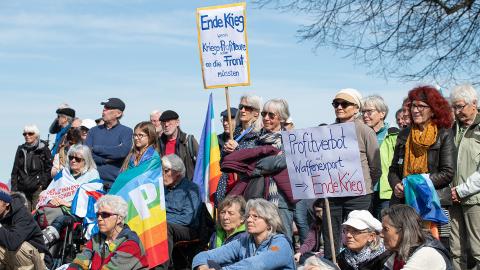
(28, 133)
(77, 159)
(104, 215)
(246, 107)
(271, 115)
(344, 104)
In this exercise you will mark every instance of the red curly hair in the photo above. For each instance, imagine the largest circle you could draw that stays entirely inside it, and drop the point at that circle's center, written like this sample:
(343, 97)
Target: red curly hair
(442, 113)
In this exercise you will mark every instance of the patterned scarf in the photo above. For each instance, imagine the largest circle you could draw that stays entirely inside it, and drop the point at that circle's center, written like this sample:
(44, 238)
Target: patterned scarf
(354, 259)
(416, 149)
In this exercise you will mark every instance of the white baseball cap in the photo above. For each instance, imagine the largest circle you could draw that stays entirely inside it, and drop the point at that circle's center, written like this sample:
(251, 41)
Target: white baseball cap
(362, 220)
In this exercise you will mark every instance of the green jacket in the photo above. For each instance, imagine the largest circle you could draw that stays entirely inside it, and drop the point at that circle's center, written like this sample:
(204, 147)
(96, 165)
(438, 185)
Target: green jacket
(386, 155)
(467, 176)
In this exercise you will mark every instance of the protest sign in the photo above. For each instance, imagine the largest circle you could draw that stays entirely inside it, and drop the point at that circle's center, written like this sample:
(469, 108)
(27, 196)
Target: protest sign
(324, 161)
(222, 41)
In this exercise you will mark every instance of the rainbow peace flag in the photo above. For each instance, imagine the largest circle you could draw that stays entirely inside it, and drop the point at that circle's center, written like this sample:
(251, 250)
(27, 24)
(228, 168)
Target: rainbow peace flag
(142, 189)
(207, 169)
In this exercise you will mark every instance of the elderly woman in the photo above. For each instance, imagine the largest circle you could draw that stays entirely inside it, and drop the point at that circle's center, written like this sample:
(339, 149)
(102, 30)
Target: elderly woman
(374, 112)
(426, 147)
(74, 136)
(412, 247)
(80, 169)
(231, 221)
(265, 247)
(347, 105)
(363, 245)
(145, 145)
(32, 165)
(115, 246)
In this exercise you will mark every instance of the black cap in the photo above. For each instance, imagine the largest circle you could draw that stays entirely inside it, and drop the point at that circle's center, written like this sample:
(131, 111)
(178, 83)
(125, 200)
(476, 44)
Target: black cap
(168, 115)
(233, 111)
(114, 103)
(66, 111)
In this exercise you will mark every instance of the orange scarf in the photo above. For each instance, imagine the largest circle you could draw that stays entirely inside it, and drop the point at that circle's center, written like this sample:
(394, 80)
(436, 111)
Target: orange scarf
(416, 149)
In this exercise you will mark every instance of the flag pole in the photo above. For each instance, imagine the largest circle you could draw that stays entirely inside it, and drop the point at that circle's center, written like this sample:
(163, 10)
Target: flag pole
(330, 231)
(229, 114)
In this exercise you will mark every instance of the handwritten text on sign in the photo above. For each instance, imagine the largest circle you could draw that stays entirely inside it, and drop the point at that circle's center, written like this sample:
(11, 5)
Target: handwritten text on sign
(222, 40)
(324, 162)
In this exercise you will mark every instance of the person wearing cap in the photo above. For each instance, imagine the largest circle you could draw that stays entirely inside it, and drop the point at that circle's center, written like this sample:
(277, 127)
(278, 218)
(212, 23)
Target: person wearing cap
(65, 118)
(21, 240)
(364, 247)
(85, 126)
(110, 142)
(174, 141)
(225, 136)
(31, 166)
(155, 120)
(347, 105)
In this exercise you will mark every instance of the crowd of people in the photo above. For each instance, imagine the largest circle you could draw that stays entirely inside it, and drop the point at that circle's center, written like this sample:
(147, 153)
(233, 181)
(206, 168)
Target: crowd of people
(258, 223)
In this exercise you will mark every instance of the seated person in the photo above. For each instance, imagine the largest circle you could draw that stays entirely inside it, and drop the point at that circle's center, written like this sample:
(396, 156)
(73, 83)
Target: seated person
(364, 247)
(21, 241)
(264, 247)
(80, 170)
(318, 263)
(231, 221)
(313, 242)
(115, 246)
(182, 203)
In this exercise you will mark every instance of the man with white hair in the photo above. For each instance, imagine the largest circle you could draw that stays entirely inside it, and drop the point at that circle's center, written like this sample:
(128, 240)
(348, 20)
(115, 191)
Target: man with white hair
(465, 211)
(155, 120)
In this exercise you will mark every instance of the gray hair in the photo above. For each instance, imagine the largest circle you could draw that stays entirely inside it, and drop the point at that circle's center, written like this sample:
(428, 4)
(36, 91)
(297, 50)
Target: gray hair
(118, 205)
(155, 112)
(409, 226)
(174, 163)
(268, 211)
(86, 155)
(279, 106)
(233, 199)
(255, 102)
(316, 261)
(377, 102)
(32, 128)
(465, 92)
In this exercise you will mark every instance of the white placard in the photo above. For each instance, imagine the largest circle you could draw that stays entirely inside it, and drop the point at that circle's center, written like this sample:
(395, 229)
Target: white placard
(324, 161)
(222, 41)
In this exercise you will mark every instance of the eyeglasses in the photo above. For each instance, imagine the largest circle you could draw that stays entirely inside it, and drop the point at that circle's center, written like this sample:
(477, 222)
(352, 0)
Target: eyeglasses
(139, 136)
(368, 112)
(419, 107)
(344, 104)
(28, 133)
(77, 159)
(246, 107)
(105, 215)
(353, 231)
(271, 115)
(459, 107)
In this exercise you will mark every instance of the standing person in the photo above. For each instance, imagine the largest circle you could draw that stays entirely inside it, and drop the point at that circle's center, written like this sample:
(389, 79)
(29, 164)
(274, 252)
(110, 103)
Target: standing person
(374, 113)
(155, 120)
(65, 118)
(175, 141)
(225, 136)
(401, 124)
(426, 147)
(85, 126)
(32, 166)
(21, 240)
(110, 142)
(465, 211)
(347, 105)
(407, 117)
(144, 145)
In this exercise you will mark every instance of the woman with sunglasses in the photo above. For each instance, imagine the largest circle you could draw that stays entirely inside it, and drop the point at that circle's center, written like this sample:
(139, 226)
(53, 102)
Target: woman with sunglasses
(32, 165)
(80, 169)
(145, 145)
(347, 106)
(116, 246)
(426, 147)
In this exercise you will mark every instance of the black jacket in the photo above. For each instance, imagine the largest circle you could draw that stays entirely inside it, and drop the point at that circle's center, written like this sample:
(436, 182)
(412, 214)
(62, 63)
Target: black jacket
(31, 168)
(373, 264)
(19, 226)
(186, 153)
(441, 165)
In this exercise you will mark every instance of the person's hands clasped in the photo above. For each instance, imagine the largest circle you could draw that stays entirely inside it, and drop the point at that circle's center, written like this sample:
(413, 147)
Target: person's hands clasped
(398, 190)
(230, 146)
(455, 197)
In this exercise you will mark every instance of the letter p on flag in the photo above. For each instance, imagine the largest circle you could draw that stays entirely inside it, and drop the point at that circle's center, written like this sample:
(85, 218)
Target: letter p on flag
(142, 197)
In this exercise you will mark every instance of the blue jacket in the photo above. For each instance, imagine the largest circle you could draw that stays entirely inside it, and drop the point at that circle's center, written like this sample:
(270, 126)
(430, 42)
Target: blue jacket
(182, 203)
(109, 148)
(273, 253)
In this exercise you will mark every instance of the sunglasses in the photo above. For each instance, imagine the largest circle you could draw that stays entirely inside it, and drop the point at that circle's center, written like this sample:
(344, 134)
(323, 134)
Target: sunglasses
(105, 215)
(246, 107)
(271, 115)
(344, 104)
(28, 133)
(77, 159)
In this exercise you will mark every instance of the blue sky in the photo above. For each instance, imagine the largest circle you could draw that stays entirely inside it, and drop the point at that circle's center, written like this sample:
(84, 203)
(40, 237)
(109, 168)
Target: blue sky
(145, 52)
